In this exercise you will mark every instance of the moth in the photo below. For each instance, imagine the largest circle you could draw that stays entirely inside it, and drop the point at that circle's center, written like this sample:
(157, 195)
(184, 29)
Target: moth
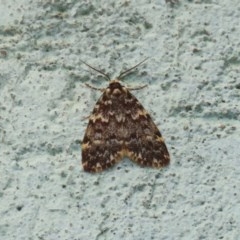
(119, 127)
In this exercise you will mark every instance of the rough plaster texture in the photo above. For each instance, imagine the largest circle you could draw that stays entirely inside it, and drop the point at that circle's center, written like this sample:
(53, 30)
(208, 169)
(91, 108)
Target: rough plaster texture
(193, 94)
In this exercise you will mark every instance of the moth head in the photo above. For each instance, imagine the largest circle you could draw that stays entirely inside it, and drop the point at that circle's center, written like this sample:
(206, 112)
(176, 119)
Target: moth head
(115, 88)
(114, 84)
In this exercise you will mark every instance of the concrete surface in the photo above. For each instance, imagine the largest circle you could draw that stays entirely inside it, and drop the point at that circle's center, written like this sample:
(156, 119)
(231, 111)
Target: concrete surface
(193, 94)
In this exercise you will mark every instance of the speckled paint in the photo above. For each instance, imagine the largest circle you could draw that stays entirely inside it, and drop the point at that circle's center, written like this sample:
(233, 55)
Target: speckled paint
(193, 94)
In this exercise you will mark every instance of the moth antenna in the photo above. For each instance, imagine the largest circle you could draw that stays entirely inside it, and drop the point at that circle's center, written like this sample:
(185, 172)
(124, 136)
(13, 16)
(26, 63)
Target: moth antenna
(99, 71)
(130, 69)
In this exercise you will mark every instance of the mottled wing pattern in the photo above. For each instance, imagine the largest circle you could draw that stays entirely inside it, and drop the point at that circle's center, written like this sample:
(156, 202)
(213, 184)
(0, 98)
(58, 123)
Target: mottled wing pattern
(102, 146)
(119, 126)
(145, 144)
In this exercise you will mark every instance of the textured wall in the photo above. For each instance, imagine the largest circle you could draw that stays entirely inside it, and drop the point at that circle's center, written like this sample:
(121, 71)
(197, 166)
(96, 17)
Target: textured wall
(193, 95)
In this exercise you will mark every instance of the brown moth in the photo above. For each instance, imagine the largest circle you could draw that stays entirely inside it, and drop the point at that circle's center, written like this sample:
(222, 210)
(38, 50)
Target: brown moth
(119, 127)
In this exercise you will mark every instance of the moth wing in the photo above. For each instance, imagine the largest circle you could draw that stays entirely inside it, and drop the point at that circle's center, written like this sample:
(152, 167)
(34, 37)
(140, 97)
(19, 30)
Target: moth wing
(96, 157)
(144, 143)
(148, 150)
(100, 147)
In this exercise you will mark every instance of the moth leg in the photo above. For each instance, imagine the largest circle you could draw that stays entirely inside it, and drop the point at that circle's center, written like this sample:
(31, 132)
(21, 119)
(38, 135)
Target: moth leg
(137, 87)
(95, 88)
(86, 117)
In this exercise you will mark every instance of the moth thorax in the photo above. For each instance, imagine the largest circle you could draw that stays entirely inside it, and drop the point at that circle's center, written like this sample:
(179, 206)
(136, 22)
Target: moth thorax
(116, 92)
